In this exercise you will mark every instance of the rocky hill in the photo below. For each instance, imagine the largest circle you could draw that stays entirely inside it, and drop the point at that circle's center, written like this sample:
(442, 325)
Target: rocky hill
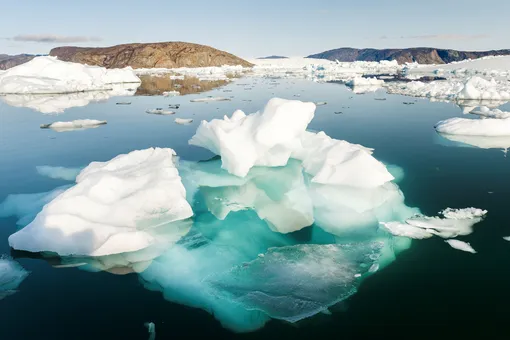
(8, 61)
(422, 55)
(151, 55)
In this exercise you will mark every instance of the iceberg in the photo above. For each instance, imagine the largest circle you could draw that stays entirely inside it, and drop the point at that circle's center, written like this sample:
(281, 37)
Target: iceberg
(159, 111)
(488, 127)
(183, 121)
(79, 124)
(360, 81)
(11, 276)
(115, 207)
(48, 75)
(261, 139)
(209, 99)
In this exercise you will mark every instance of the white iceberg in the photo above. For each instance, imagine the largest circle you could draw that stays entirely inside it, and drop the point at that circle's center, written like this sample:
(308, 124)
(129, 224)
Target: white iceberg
(361, 81)
(79, 124)
(487, 112)
(261, 139)
(461, 245)
(159, 111)
(11, 276)
(272, 137)
(48, 75)
(489, 127)
(115, 207)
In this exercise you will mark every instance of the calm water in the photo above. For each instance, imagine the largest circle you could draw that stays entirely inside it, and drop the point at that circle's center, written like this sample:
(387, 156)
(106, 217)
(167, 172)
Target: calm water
(430, 288)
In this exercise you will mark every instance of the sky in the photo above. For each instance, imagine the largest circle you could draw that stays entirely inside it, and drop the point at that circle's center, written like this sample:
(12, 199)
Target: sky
(256, 28)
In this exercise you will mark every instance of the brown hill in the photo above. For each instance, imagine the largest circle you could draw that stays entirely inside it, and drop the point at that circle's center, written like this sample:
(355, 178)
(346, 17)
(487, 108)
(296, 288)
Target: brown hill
(164, 55)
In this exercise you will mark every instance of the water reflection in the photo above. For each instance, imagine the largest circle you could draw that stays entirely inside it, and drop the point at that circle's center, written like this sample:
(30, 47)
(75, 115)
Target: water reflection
(156, 85)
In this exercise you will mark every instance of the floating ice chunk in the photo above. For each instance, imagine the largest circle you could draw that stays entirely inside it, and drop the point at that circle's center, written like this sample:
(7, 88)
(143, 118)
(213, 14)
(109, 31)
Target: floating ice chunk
(79, 124)
(171, 93)
(453, 223)
(58, 172)
(338, 162)
(159, 112)
(320, 103)
(406, 230)
(209, 99)
(506, 238)
(360, 81)
(296, 282)
(48, 75)
(183, 121)
(151, 328)
(461, 245)
(480, 141)
(479, 88)
(11, 276)
(260, 139)
(112, 208)
(491, 113)
(489, 127)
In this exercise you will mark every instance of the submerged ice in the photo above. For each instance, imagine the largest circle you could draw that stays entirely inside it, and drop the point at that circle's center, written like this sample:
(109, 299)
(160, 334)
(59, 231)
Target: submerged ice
(11, 276)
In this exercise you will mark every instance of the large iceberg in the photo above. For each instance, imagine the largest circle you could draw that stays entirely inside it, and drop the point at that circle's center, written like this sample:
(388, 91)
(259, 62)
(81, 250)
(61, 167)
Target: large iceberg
(11, 276)
(117, 206)
(272, 137)
(48, 75)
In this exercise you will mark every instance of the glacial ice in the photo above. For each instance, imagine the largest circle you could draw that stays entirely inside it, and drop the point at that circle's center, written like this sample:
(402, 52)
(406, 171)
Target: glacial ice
(461, 245)
(278, 133)
(361, 81)
(79, 124)
(11, 276)
(261, 139)
(183, 121)
(48, 75)
(488, 127)
(115, 207)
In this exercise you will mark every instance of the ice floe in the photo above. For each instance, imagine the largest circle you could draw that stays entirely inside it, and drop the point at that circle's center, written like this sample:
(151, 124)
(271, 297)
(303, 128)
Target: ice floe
(79, 124)
(183, 121)
(361, 81)
(159, 111)
(11, 276)
(489, 127)
(48, 75)
(461, 245)
(115, 207)
(451, 223)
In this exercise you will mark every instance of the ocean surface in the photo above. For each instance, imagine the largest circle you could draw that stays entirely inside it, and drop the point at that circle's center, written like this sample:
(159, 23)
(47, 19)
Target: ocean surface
(429, 289)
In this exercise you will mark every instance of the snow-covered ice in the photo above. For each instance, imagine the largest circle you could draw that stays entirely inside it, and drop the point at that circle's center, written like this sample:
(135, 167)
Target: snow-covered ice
(461, 245)
(11, 276)
(489, 127)
(361, 81)
(79, 124)
(116, 206)
(48, 75)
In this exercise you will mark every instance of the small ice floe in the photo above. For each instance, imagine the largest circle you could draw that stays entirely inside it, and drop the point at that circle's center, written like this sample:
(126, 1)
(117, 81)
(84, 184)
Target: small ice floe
(123, 103)
(209, 99)
(486, 127)
(320, 103)
(159, 111)
(183, 121)
(171, 93)
(408, 103)
(73, 125)
(379, 98)
(11, 276)
(461, 245)
(151, 327)
(506, 238)
(454, 222)
(174, 106)
(338, 112)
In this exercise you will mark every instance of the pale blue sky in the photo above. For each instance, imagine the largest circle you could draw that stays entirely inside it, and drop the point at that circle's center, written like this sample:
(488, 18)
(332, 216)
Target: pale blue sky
(257, 28)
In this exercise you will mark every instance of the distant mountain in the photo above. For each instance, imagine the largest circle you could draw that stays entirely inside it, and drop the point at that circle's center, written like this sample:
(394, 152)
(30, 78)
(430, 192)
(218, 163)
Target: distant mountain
(8, 61)
(274, 57)
(151, 55)
(421, 55)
